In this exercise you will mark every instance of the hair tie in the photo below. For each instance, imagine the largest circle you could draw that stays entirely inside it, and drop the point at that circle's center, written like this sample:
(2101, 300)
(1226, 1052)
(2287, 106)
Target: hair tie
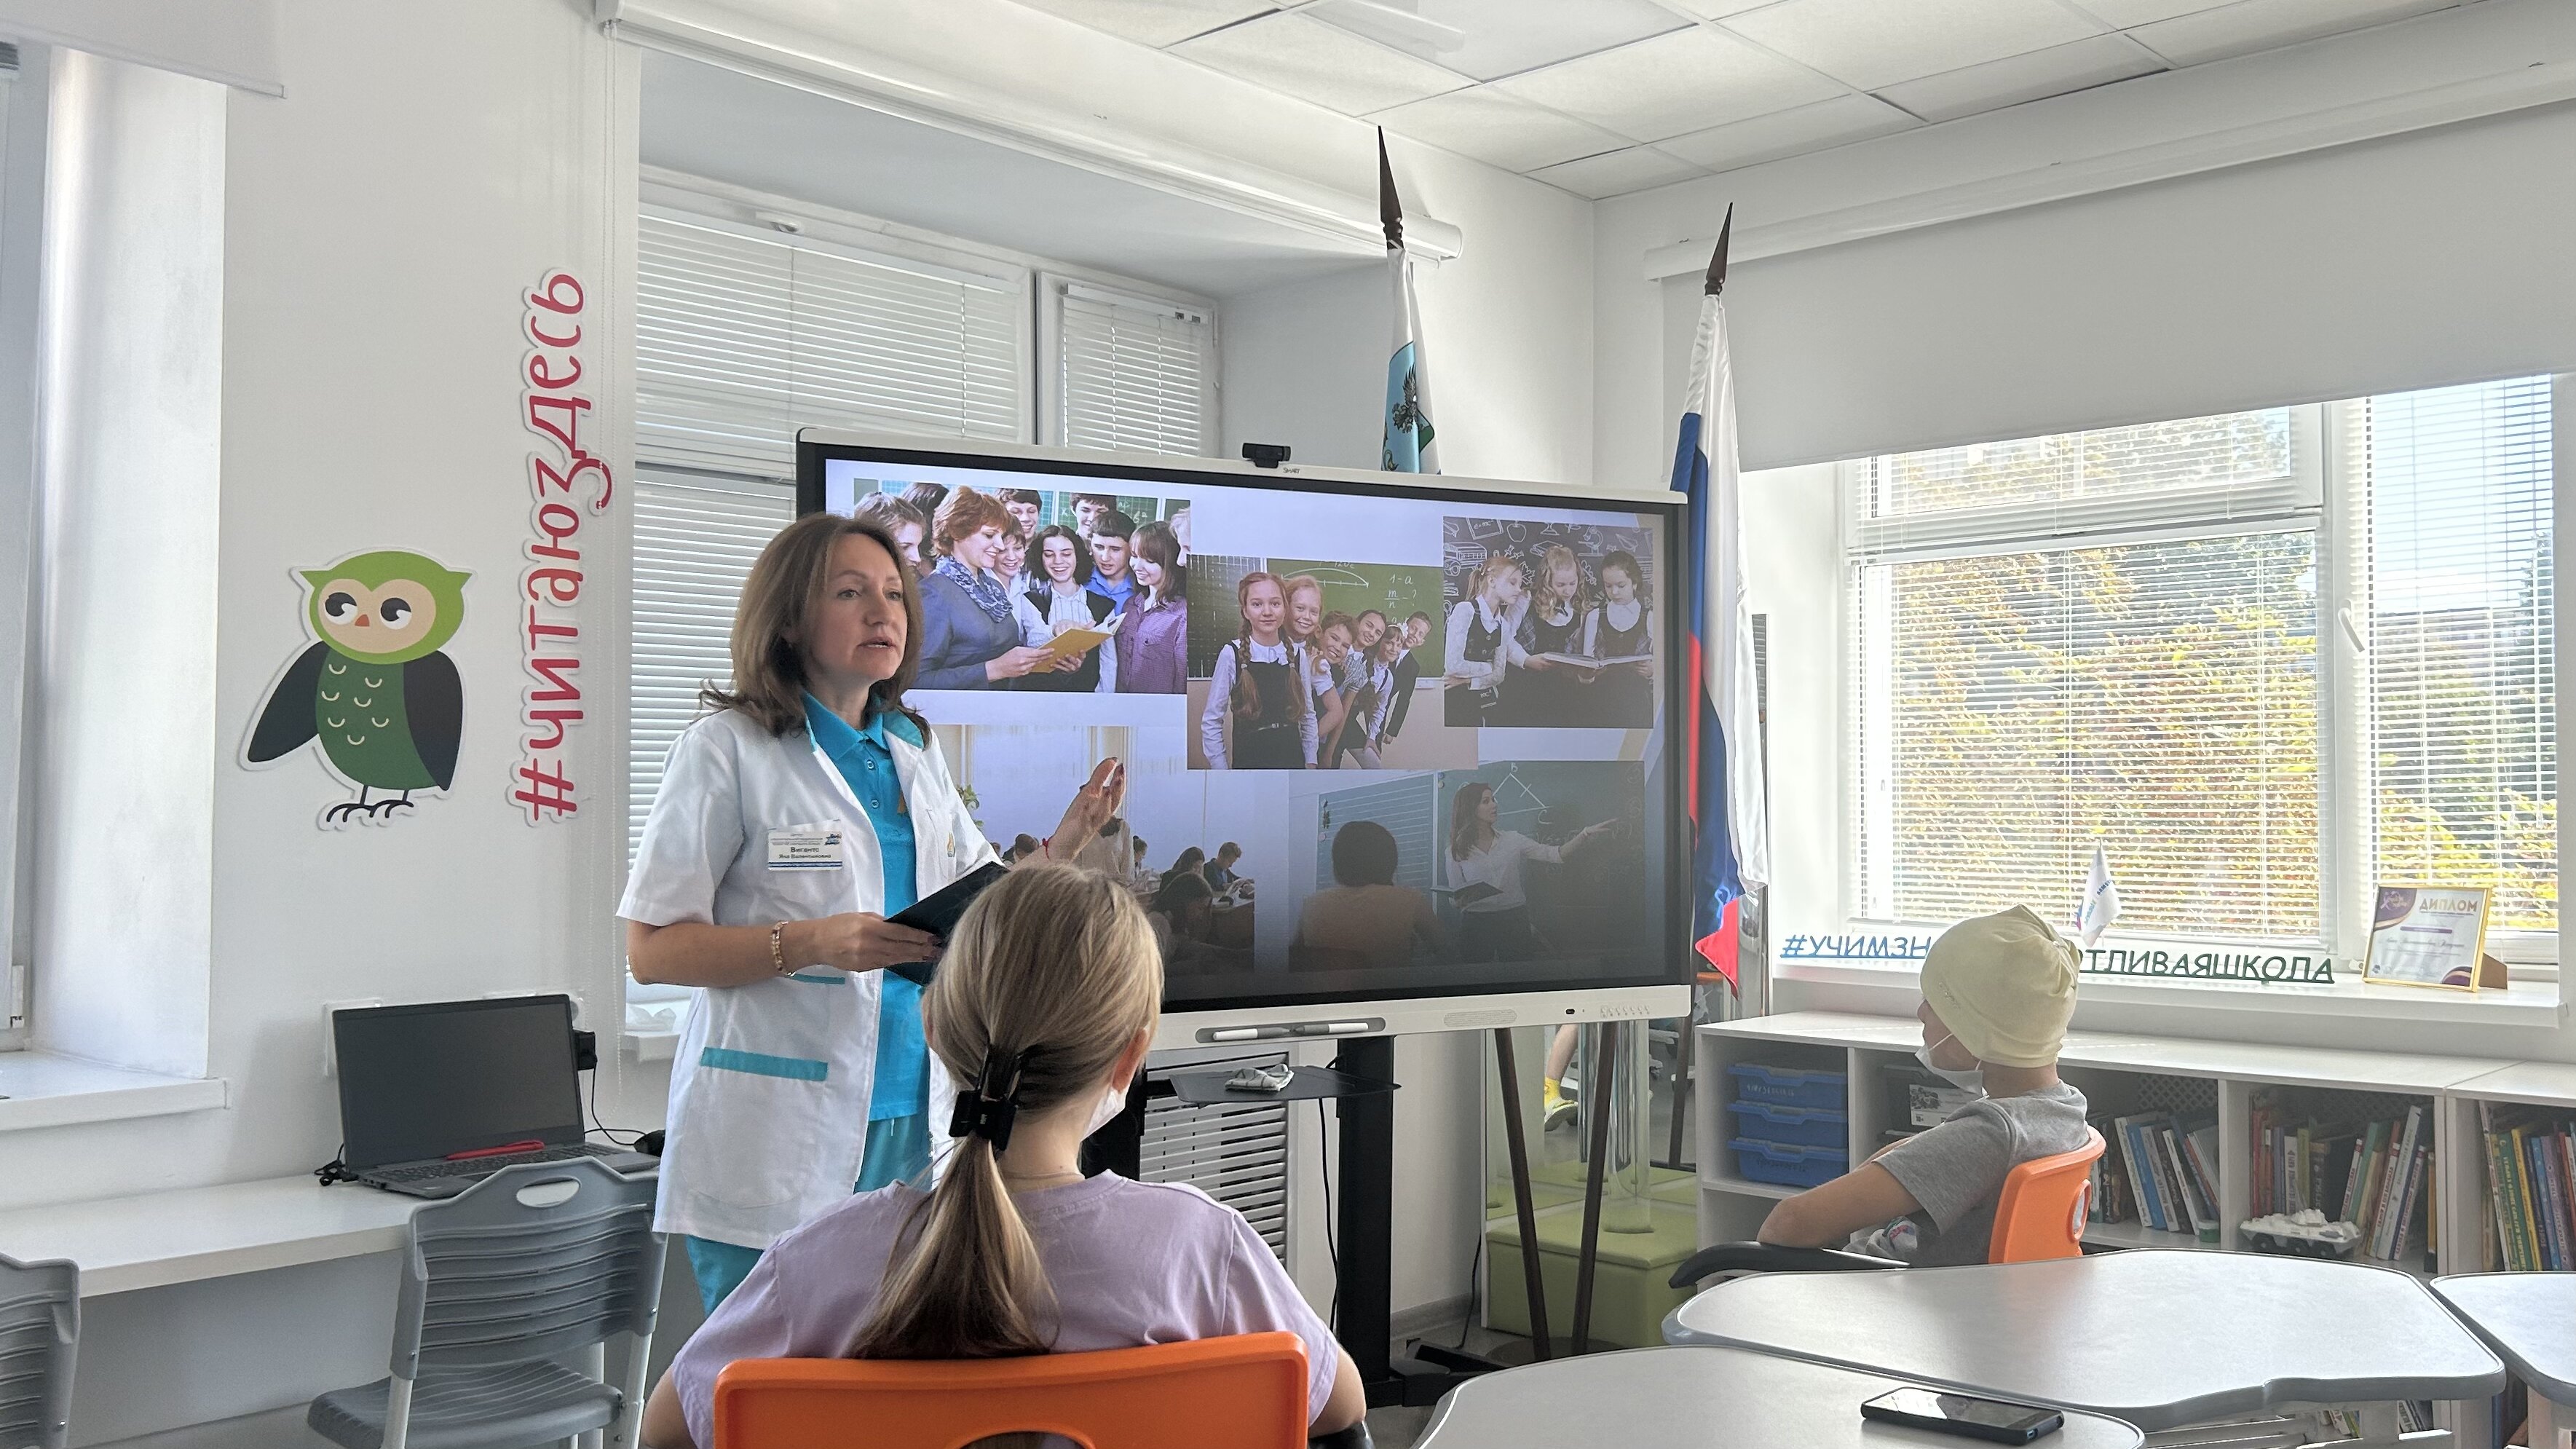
(988, 1108)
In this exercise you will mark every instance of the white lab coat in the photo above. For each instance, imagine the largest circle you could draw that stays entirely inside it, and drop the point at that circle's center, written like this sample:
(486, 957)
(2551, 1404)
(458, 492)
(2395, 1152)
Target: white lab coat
(770, 1081)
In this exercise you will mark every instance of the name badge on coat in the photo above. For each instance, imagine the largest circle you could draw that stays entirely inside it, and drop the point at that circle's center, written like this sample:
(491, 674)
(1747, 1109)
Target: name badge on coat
(817, 847)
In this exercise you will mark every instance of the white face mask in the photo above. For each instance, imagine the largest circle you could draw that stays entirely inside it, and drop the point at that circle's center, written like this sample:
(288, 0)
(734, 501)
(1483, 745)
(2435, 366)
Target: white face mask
(1966, 1079)
(1113, 1100)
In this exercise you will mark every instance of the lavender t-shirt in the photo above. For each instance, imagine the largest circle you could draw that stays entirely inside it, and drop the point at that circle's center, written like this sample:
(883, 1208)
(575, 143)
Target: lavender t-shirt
(1131, 1263)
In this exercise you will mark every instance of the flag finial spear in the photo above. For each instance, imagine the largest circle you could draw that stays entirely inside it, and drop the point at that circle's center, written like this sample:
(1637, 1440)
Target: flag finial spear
(1390, 211)
(1717, 258)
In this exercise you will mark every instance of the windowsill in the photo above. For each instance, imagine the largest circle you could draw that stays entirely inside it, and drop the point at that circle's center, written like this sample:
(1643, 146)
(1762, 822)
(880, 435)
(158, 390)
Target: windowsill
(2520, 1003)
(40, 1089)
(651, 1046)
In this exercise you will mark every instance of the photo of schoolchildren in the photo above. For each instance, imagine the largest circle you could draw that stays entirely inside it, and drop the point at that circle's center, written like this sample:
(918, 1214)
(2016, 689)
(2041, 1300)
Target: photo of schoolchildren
(1549, 626)
(1259, 713)
(1354, 631)
(1154, 630)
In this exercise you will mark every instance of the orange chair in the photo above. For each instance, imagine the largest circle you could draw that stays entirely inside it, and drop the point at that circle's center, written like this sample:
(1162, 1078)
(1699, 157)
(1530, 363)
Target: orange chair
(1242, 1392)
(2039, 1214)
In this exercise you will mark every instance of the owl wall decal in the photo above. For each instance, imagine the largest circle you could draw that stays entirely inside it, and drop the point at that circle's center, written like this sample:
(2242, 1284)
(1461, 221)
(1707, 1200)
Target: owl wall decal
(385, 705)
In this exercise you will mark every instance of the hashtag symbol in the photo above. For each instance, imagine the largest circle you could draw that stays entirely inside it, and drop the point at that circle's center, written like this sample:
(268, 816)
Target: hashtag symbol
(546, 790)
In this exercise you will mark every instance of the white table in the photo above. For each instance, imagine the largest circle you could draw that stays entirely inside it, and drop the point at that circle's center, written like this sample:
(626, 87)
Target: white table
(2529, 1319)
(1697, 1398)
(156, 1239)
(2160, 1338)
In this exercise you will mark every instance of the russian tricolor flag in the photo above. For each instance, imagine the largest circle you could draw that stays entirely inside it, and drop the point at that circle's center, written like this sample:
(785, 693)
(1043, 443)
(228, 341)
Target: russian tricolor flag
(1730, 845)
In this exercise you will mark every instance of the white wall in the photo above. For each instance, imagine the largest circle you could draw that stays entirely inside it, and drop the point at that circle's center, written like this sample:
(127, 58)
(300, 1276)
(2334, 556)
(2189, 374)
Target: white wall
(377, 230)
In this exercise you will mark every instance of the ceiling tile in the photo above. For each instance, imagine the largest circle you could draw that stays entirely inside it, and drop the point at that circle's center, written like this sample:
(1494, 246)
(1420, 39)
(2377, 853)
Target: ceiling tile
(1498, 129)
(2121, 14)
(1313, 61)
(1789, 133)
(1618, 173)
(2252, 25)
(1490, 38)
(2011, 81)
(1875, 43)
(1689, 80)
(1153, 22)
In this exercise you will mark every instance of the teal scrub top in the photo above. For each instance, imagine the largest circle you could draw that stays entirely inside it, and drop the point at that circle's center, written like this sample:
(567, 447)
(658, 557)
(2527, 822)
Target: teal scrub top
(903, 1058)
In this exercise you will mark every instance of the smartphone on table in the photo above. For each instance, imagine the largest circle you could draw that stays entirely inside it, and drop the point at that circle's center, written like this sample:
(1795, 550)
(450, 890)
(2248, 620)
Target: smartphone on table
(1963, 1414)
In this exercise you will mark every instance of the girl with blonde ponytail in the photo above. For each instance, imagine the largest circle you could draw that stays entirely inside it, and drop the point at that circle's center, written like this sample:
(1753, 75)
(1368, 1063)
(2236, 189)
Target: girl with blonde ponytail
(1042, 1011)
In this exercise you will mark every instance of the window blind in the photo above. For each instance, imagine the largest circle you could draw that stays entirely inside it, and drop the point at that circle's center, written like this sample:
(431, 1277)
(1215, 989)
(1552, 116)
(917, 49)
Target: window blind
(741, 340)
(1133, 374)
(694, 545)
(2463, 681)
(2233, 467)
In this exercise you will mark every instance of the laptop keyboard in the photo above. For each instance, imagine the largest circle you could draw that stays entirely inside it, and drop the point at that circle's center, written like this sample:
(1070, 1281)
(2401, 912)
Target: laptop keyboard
(477, 1166)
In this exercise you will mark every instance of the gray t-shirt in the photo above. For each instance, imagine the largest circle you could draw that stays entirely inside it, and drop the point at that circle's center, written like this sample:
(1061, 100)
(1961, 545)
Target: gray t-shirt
(1956, 1170)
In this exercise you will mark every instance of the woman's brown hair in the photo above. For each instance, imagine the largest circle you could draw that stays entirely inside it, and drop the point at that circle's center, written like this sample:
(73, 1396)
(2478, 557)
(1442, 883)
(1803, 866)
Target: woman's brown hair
(967, 512)
(1157, 542)
(782, 594)
(1465, 825)
(1048, 979)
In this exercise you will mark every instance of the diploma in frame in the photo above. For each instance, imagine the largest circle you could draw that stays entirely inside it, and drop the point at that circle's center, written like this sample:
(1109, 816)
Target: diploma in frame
(2428, 936)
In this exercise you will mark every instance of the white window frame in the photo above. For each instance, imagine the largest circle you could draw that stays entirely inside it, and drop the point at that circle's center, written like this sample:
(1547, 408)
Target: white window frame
(1052, 289)
(2331, 504)
(22, 194)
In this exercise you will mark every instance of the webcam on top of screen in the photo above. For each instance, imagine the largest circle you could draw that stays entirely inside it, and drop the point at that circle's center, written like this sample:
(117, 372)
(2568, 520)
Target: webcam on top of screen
(1265, 455)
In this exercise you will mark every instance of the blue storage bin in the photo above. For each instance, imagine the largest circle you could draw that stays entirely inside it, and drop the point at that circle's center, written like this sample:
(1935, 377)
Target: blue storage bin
(1789, 1166)
(1789, 1126)
(1783, 1087)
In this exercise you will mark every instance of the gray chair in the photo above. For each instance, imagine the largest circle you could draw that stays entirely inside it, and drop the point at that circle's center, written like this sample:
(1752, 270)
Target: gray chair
(534, 1265)
(39, 1329)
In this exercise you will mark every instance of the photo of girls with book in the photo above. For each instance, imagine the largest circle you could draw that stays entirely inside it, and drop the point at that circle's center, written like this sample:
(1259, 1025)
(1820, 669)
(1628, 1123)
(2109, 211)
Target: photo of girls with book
(1260, 711)
(1154, 632)
(1622, 626)
(1539, 690)
(1481, 643)
(1057, 599)
(1482, 869)
(970, 634)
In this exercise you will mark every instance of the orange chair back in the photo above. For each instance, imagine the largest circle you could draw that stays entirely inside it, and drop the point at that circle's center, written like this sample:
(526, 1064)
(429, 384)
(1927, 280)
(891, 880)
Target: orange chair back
(2044, 1203)
(1247, 1391)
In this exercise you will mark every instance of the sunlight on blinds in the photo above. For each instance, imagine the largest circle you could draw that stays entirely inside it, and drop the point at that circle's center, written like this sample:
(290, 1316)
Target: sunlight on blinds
(694, 546)
(1134, 378)
(2012, 709)
(2462, 671)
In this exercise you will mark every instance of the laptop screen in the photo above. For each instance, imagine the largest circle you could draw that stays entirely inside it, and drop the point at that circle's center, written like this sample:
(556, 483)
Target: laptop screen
(418, 1082)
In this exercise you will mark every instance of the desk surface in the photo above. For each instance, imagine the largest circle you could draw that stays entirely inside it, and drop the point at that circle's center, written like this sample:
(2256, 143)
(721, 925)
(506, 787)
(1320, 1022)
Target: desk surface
(2158, 1338)
(160, 1238)
(1702, 1398)
(2528, 1318)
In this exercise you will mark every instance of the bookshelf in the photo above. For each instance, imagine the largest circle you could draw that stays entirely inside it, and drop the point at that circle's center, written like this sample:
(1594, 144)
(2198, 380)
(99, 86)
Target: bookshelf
(2131, 1072)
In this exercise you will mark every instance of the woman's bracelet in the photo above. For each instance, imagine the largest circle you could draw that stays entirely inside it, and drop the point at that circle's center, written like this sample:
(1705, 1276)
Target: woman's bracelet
(778, 948)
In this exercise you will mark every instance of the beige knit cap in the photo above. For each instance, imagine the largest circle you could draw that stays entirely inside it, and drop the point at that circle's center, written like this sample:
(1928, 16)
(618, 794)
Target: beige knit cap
(2005, 984)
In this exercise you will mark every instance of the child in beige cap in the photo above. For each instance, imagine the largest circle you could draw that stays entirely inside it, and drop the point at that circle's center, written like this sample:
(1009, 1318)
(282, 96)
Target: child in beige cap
(1997, 993)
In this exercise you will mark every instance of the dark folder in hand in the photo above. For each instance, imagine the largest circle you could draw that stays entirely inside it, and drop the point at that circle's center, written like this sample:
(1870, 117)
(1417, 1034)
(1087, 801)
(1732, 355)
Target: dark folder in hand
(938, 914)
(1468, 895)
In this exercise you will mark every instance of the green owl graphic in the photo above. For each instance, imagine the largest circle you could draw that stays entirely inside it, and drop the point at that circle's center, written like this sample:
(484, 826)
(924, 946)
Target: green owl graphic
(385, 704)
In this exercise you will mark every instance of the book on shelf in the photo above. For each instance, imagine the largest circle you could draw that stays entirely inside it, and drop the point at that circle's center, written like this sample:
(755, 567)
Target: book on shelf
(2372, 1174)
(2531, 1189)
(2141, 1165)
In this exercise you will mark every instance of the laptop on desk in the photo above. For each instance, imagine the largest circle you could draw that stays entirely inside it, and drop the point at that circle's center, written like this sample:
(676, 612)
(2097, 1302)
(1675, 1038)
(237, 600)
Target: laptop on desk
(436, 1097)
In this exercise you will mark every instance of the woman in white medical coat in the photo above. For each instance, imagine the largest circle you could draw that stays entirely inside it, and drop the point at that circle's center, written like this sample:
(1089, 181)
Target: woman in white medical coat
(792, 819)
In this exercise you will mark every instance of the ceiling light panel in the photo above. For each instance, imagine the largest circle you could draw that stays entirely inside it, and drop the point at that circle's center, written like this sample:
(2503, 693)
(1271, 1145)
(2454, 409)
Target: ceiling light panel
(1826, 124)
(1490, 38)
(1869, 44)
(1153, 22)
(2252, 25)
(1498, 129)
(1618, 173)
(2011, 81)
(1689, 80)
(1313, 61)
